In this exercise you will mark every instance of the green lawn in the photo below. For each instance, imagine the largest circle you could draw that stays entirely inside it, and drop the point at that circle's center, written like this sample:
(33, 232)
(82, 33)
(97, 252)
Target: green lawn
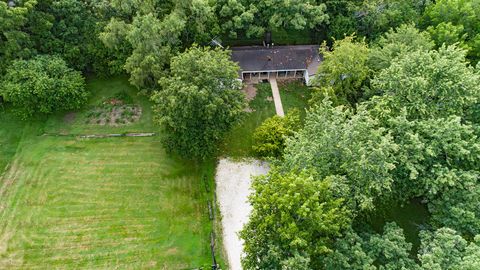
(117, 203)
(238, 142)
(10, 135)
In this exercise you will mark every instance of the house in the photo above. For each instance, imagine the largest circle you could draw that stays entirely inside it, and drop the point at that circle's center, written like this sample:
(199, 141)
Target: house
(260, 62)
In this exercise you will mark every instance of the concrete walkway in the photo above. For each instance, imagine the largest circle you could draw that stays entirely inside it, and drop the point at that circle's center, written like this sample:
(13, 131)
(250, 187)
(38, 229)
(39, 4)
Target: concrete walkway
(276, 97)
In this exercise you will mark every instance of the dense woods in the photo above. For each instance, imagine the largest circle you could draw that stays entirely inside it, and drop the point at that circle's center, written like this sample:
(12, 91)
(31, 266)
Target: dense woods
(394, 117)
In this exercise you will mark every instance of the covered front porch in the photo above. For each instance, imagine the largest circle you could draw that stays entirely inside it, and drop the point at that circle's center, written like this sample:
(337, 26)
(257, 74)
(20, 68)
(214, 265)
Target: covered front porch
(265, 75)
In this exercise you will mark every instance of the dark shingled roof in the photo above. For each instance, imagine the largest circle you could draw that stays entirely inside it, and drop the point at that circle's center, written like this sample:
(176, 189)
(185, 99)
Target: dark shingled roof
(258, 58)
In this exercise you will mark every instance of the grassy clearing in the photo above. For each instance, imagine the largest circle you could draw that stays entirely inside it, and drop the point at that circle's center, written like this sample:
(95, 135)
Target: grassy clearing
(238, 142)
(116, 203)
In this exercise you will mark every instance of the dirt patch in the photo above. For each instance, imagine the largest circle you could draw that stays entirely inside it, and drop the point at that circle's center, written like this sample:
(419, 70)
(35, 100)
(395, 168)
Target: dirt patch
(233, 188)
(69, 118)
(172, 251)
(250, 91)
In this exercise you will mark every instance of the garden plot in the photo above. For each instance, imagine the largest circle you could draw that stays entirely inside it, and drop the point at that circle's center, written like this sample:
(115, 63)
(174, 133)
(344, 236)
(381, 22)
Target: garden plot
(233, 188)
(115, 111)
(114, 115)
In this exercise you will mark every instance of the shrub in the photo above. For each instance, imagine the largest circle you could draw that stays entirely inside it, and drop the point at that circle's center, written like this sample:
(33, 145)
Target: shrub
(269, 138)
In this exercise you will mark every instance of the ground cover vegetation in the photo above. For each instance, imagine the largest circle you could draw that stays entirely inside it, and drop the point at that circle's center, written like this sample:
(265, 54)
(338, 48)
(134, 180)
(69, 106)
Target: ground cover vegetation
(393, 120)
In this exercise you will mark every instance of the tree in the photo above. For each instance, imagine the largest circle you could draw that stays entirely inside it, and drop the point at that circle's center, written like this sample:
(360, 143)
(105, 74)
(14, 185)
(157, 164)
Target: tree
(269, 138)
(375, 17)
(295, 219)
(451, 21)
(72, 34)
(442, 249)
(429, 84)
(152, 32)
(349, 253)
(344, 69)
(371, 251)
(256, 17)
(199, 102)
(338, 142)
(202, 24)
(470, 257)
(391, 250)
(438, 160)
(14, 40)
(43, 85)
(449, 34)
(398, 42)
(154, 42)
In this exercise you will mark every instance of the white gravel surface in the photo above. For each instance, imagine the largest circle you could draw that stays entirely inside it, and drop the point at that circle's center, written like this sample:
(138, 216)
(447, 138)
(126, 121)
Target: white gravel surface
(233, 187)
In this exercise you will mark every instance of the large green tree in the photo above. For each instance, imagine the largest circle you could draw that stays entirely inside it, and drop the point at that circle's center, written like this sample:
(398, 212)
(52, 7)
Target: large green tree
(372, 251)
(14, 40)
(199, 102)
(429, 84)
(375, 17)
(154, 42)
(152, 32)
(344, 70)
(397, 43)
(445, 249)
(254, 17)
(335, 141)
(294, 221)
(452, 21)
(43, 85)
(68, 30)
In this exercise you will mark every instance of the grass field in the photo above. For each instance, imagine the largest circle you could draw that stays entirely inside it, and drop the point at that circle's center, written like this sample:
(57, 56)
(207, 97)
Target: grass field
(117, 203)
(238, 142)
(10, 136)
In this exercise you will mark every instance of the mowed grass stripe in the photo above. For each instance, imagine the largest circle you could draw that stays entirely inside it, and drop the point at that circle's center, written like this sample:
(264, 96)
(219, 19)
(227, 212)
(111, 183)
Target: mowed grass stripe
(108, 203)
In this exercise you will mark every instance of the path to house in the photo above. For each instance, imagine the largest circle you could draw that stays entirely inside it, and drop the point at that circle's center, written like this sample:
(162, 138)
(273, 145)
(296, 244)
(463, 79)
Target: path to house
(276, 97)
(233, 188)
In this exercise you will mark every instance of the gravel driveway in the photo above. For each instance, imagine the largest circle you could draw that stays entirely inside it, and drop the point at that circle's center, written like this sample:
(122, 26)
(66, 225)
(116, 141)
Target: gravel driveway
(233, 187)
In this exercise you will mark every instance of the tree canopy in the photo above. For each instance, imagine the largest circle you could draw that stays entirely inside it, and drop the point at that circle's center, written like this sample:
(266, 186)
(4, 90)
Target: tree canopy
(455, 21)
(199, 102)
(294, 219)
(344, 69)
(254, 18)
(335, 141)
(429, 84)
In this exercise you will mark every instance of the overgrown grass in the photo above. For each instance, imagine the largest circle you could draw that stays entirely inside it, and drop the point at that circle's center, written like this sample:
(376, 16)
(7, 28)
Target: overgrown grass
(117, 203)
(238, 142)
